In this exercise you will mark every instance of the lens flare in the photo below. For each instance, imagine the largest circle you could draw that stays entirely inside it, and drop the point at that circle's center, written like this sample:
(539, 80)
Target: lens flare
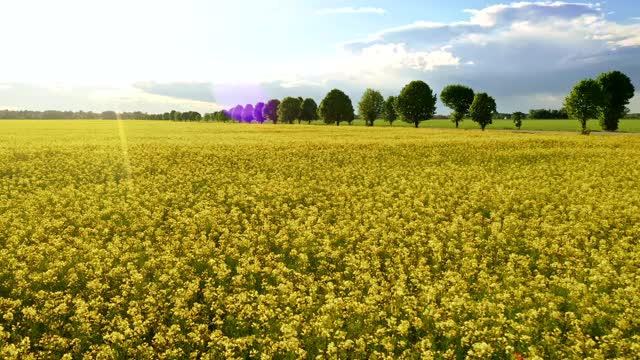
(124, 146)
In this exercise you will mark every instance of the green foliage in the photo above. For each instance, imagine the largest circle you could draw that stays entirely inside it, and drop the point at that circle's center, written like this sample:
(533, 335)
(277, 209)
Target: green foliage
(389, 111)
(517, 118)
(617, 91)
(222, 115)
(336, 107)
(370, 106)
(416, 103)
(548, 114)
(458, 98)
(108, 115)
(482, 109)
(309, 110)
(270, 111)
(584, 101)
(289, 110)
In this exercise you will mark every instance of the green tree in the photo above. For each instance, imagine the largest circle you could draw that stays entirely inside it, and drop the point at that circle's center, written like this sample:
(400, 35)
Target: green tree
(458, 98)
(247, 113)
(309, 110)
(584, 101)
(416, 103)
(517, 118)
(336, 107)
(257, 112)
(289, 110)
(617, 91)
(370, 106)
(482, 109)
(270, 111)
(388, 110)
(108, 115)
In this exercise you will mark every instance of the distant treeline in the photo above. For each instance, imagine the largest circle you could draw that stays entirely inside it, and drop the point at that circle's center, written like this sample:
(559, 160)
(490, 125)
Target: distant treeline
(548, 114)
(76, 115)
(218, 115)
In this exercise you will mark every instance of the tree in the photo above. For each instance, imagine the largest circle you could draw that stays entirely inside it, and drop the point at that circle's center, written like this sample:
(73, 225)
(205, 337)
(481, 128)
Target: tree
(222, 115)
(416, 103)
(584, 101)
(370, 106)
(482, 109)
(289, 110)
(617, 91)
(517, 119)
(108, 115)
(247, 113)
(300, 109)
(270, 111)
(236, 113)
(548, 114)
(388, 110)
(458, 98)
(257, 112)
(336, 107)
(309, 110)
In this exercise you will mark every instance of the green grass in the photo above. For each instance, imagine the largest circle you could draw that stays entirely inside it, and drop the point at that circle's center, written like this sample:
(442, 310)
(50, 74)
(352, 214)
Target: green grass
(548, 125)
(628, 125)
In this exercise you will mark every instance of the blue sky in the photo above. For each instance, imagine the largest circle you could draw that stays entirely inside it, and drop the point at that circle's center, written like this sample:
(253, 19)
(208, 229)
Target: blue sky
(205, 55)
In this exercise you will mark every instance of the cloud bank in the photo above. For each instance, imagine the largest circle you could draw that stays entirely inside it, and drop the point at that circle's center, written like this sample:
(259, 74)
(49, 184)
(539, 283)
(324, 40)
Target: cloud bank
(526, 54)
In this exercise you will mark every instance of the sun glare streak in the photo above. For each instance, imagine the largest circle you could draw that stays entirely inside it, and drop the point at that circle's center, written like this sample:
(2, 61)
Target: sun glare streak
(124, 146)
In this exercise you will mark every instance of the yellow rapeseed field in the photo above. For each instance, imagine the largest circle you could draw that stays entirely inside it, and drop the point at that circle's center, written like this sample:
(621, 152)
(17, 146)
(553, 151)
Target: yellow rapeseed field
(194, 240)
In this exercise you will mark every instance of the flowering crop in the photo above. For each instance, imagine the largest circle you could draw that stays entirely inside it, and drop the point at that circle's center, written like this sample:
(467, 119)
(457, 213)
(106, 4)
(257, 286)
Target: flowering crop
(180, 240)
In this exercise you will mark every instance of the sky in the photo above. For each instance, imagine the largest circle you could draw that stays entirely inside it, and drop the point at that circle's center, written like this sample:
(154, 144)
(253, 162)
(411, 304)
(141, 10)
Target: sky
(206, 55)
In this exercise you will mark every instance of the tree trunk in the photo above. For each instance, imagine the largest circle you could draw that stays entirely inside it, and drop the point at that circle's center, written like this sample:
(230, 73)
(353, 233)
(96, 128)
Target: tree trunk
(416, 124)
(456, 124)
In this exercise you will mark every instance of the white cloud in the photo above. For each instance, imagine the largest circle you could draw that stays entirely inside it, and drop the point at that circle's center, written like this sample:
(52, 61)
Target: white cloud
(97, 98)
(351, 10)
(523, 50)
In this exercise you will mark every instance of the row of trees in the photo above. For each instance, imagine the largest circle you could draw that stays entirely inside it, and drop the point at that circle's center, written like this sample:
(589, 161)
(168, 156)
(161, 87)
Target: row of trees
(388, 113)
(286, 111)
(415, 103)
(548, 114)
(605, 98)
